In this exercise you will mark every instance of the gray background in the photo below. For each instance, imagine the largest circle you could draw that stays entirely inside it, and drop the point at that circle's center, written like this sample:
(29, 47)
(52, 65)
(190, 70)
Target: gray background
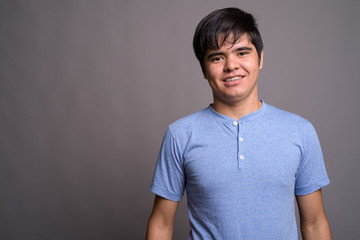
(87, 89)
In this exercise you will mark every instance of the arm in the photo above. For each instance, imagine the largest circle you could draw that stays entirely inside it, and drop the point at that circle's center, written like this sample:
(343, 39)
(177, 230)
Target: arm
(313, 221)
(161, 222)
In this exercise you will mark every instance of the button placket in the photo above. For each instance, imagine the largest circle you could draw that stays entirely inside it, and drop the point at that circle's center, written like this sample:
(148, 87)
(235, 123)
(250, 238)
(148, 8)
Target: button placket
(241, 146)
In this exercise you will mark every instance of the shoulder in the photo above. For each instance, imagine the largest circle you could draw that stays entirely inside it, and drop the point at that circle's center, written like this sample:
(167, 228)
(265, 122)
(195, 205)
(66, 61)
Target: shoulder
(286, 119)
(191, 121)
(188, 127)
(292, 127)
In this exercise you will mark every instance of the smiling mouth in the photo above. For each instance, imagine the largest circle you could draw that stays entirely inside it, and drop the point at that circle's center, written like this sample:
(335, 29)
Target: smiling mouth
(233, 79)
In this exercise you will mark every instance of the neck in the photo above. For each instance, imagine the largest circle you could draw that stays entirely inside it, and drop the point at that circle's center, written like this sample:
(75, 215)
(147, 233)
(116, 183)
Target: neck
(236, 110)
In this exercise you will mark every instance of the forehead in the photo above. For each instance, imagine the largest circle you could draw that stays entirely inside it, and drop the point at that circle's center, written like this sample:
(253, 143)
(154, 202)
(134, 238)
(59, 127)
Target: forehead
(230, 40)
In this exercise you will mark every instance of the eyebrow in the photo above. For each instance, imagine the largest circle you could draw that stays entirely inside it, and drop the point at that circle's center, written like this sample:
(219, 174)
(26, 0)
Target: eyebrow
(211, 55)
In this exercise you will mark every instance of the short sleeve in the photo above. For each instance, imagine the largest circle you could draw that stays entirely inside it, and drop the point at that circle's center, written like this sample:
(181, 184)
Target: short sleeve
(168, 180)
(311, 174)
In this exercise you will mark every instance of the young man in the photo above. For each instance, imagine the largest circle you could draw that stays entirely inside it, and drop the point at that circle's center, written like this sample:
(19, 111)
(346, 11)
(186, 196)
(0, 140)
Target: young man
(241, 161)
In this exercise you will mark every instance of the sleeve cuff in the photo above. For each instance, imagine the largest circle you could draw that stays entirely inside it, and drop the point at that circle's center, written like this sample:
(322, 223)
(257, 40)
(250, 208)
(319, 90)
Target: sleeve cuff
(165, 194)
(311, 188)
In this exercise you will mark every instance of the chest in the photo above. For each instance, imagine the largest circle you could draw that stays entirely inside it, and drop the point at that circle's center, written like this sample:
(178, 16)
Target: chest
(243, 159)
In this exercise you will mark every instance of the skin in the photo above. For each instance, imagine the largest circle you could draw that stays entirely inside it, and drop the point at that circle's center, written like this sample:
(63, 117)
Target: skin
(161, 221)
(237, 99)
(313, 221)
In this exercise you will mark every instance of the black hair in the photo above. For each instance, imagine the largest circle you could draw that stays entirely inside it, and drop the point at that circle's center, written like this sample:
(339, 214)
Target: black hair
(225, 22)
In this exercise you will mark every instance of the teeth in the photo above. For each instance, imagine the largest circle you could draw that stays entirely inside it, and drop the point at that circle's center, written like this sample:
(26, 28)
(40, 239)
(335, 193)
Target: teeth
(232, 79)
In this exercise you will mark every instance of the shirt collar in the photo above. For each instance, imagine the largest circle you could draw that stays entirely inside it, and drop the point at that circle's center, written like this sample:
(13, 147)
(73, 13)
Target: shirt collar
(249, 117)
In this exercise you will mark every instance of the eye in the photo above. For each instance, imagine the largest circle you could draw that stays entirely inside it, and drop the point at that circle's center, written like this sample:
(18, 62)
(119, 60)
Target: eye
(242, 53)
(216, 59)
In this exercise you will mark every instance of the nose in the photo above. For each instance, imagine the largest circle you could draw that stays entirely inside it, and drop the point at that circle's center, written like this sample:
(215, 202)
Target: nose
(230, 64)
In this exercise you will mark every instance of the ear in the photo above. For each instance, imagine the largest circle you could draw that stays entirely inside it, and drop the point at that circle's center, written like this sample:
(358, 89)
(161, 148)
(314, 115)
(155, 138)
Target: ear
(205, 77)
(203, 72)
(261, 60)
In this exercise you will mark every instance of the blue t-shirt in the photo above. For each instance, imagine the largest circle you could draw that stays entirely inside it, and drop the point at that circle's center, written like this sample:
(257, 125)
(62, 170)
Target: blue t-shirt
(240, 176)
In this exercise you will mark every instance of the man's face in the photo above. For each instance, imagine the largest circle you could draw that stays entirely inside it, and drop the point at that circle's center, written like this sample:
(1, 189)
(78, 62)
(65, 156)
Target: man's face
(232, 71)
